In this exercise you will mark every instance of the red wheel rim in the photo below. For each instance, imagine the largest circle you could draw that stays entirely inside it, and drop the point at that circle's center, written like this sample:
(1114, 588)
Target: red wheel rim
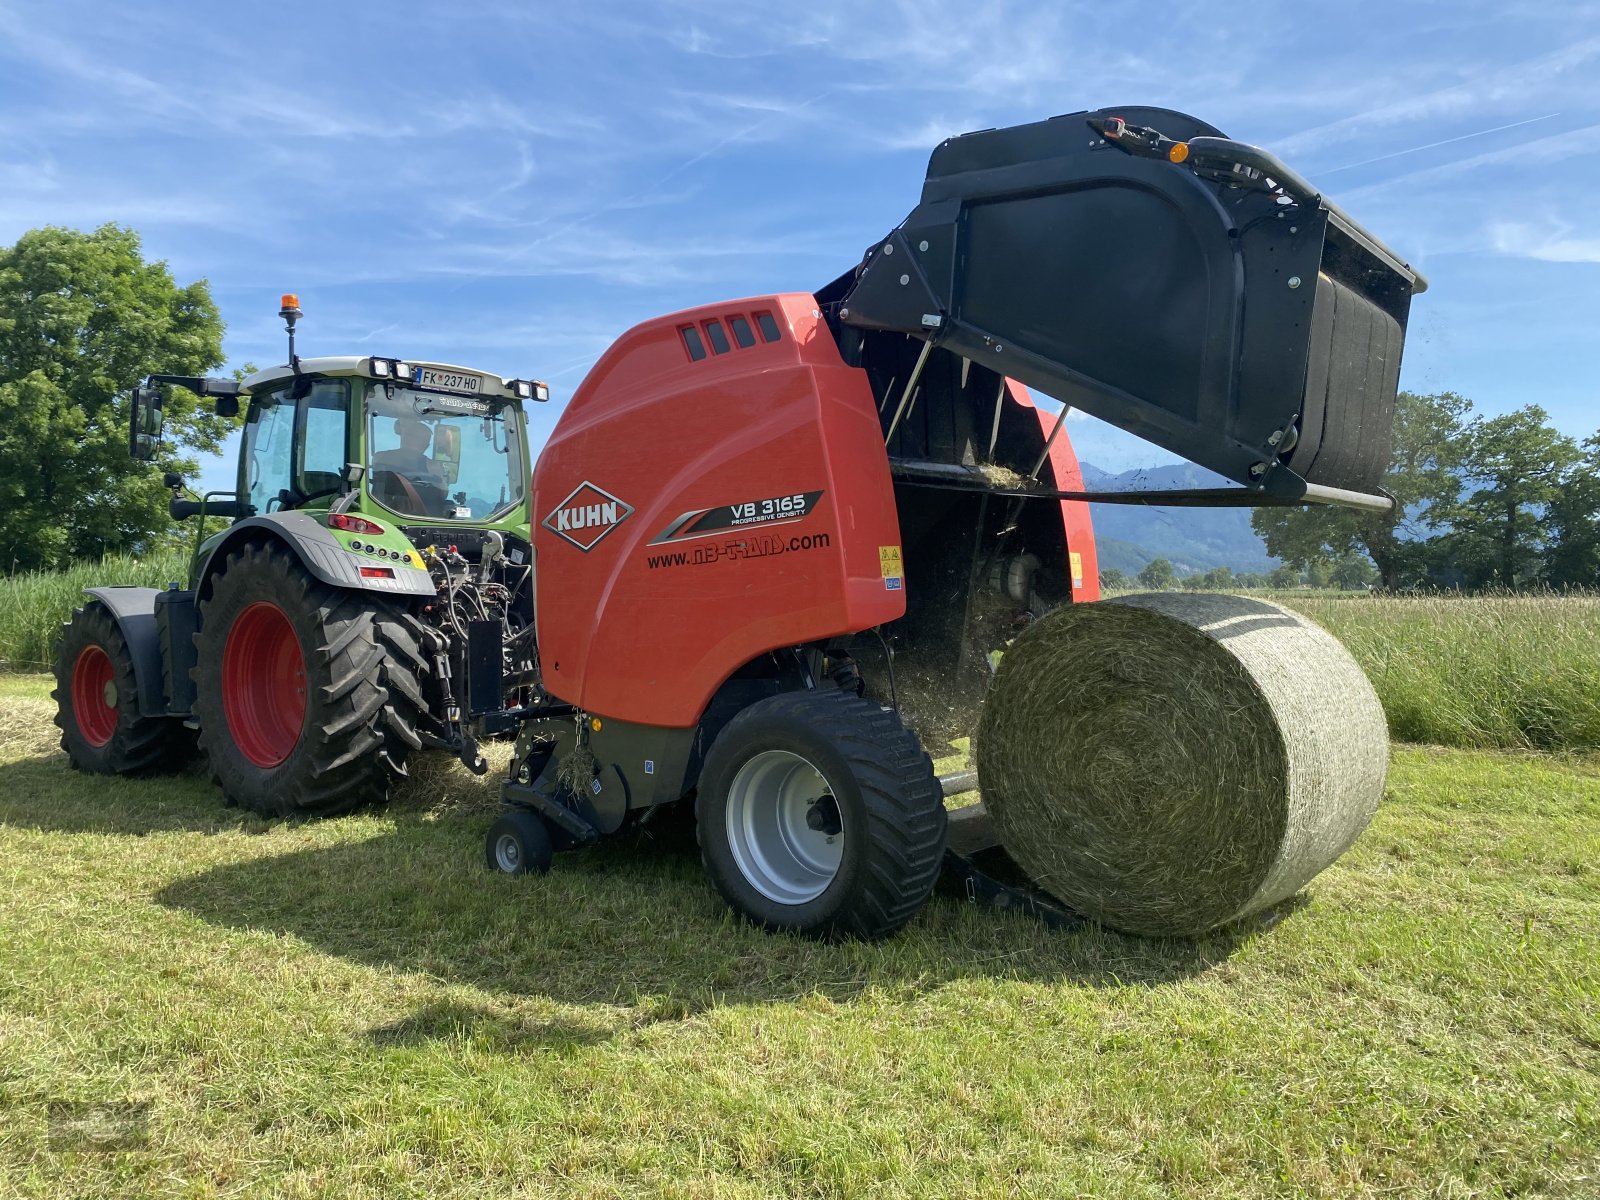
(94, 695)
(264, 684)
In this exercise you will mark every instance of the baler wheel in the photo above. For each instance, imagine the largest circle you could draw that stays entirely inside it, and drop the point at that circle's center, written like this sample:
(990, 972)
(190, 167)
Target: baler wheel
(519, 843)
(308, 695)
(818, 813)
(97, 703)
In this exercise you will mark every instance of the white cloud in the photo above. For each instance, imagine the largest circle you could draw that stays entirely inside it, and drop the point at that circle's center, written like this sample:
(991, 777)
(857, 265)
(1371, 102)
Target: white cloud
(1548, 241)
(1498, 90)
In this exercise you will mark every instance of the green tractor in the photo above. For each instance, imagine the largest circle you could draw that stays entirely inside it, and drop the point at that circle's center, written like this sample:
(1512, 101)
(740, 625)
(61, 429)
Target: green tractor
(372, 596)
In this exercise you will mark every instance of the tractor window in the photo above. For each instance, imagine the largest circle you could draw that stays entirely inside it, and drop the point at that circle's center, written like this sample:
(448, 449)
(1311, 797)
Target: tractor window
(268, 435)
(322, 449)
(294, 449)
(442, 456)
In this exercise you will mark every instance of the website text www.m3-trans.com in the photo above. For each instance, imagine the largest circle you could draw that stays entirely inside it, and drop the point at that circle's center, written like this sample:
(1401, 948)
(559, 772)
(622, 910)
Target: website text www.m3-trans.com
(753, 546)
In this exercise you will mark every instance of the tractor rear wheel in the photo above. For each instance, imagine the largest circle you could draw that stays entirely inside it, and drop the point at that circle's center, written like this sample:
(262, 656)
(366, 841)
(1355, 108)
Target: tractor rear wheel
(818, 813)
(97, 703)
(308, 695)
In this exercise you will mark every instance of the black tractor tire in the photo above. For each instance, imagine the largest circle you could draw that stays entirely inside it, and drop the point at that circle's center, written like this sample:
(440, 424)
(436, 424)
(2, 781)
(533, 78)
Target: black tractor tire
(97, 703)
(859, 866)
(518, 843)
(308, 695)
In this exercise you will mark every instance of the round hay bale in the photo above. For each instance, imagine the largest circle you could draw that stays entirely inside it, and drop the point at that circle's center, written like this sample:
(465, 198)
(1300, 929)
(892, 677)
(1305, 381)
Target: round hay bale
(1172, 762)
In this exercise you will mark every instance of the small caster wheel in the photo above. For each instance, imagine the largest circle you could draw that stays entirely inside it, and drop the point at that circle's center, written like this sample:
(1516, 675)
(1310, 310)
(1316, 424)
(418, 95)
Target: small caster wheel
(518, 844)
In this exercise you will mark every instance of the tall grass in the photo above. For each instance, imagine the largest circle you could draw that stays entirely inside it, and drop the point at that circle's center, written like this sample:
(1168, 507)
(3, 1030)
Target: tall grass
(33, 604)
(1480, 671)
(1515, 672)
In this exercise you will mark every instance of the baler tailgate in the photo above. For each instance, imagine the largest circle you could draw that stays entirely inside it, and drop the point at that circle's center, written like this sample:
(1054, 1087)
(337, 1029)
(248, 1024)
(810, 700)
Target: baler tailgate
(1216, 305)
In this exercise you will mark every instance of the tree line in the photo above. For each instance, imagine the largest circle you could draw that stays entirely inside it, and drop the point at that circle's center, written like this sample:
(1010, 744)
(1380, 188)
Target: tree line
(1503, 501)
(1480, 502)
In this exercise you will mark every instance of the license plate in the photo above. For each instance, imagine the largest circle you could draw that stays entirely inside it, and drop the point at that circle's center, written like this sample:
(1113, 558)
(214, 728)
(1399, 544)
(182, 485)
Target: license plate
(446, 381)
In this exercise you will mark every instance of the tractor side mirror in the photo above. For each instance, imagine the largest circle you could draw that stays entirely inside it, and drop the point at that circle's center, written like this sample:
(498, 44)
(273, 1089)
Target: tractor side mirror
(144, 423)
(447, 452)
(227, 406)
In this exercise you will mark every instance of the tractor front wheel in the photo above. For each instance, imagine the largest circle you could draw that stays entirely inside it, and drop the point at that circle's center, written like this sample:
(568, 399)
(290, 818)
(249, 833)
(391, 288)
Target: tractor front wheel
(819, 813)
(307, 695)
(97, 703)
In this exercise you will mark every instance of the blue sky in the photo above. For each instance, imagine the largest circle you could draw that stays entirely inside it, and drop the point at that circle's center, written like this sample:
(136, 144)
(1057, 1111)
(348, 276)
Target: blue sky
(512, 185)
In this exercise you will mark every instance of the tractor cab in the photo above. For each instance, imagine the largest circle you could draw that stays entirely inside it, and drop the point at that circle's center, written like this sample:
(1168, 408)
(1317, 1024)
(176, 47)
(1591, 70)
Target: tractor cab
(418, 441)
(435, 450)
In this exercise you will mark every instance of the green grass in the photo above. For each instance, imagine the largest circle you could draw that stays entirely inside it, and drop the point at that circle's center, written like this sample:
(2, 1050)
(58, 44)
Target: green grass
(356, 1008)
(1484, 671)
(33, 604)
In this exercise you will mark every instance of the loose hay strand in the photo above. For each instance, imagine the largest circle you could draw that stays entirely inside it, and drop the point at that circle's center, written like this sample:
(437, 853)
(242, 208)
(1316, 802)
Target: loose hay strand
(1169, 763)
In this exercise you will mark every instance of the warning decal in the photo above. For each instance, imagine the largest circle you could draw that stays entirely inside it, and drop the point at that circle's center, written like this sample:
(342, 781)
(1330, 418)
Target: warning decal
(892, 566)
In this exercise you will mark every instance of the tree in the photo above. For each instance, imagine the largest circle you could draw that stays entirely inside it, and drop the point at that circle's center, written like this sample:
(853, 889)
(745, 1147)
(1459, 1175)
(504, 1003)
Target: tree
(1112, 580)
(1574, 515)
(1218, 579)
(82, 319)
(1285, 576)
(1514, 469)
(1430, 443)
(1158, 575)
(1354, 571)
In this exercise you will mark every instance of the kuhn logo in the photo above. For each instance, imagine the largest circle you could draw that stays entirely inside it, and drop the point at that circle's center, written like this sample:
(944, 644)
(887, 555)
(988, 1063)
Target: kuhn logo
(587, 515)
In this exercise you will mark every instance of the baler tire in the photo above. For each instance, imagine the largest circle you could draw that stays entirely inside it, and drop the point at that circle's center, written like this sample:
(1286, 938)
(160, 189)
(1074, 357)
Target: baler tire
(518, 843)
(888, 804)
(355, 684)
(108, 737)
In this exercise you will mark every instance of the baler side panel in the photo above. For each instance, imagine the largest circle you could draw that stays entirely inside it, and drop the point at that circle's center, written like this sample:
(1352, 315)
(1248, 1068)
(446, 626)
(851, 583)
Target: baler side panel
(1076, 522)
(686, 585)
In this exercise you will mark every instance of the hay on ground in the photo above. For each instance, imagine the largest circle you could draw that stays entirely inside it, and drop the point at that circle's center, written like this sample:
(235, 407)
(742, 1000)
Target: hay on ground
(28, 728)
(1169, 763)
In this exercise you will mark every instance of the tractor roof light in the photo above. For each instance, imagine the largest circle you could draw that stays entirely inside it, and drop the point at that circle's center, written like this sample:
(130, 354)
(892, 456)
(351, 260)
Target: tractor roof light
(530, 389)
(402, 370)
(380, 368)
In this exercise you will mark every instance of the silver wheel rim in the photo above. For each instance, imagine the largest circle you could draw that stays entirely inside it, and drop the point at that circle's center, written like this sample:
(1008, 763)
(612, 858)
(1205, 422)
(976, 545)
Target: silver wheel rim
(508, 853)
(774, 803)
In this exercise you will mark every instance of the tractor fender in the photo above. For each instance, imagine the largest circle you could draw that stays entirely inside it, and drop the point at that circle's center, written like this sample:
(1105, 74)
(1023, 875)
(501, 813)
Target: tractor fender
(319, 551)
(134, 610)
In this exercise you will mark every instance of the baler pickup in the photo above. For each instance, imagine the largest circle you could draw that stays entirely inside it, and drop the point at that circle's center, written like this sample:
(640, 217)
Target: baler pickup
(1138, 265)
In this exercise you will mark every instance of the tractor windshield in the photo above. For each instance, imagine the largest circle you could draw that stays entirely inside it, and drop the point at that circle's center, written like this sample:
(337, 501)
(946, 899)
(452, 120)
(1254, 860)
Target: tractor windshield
(456, 458)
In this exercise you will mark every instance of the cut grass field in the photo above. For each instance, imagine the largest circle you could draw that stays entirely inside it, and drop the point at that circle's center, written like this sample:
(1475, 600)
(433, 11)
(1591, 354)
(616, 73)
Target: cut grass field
(356, 1008)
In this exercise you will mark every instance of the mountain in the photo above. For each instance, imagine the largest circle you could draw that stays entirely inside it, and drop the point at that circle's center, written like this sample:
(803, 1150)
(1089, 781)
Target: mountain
(1192, 539)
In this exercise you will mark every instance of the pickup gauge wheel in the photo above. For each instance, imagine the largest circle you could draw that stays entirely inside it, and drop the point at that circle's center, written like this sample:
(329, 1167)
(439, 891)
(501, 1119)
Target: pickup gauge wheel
(518, 843)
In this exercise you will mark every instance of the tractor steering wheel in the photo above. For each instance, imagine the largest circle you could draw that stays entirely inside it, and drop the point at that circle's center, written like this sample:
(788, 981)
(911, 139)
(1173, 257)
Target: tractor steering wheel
(413, 497)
